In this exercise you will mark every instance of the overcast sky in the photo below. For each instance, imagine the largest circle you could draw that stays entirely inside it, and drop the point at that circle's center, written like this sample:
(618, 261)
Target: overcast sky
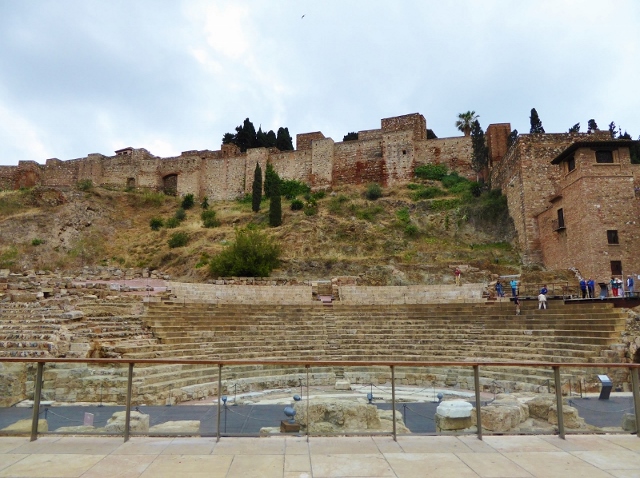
(88, 76)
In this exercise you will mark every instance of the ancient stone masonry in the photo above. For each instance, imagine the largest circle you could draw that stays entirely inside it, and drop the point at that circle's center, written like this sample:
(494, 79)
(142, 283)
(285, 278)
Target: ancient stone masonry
(535, 187)
(386, 156)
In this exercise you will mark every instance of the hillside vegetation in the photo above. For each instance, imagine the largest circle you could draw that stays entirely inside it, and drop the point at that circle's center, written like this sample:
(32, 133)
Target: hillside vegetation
(411, 234)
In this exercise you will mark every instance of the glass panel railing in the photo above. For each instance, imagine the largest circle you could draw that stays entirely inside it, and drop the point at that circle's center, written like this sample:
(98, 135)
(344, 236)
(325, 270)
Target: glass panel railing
(84, 398)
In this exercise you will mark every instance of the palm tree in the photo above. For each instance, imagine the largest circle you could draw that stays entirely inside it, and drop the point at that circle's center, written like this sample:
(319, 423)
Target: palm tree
(465, 121)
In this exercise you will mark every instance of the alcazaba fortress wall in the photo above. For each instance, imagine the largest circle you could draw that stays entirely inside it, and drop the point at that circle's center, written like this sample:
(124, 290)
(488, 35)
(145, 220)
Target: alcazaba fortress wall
(389, 155)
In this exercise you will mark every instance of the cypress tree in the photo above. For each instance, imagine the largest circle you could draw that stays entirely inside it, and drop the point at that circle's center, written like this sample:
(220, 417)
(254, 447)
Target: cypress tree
(270, 178)
(480, 153)
(275, 205)
(256, 192)
(283, 140)
(536, 124)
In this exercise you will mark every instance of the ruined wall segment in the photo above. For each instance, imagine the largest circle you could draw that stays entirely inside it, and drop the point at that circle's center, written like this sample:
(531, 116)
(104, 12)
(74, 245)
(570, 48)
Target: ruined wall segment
(304, 140)
(454, 153)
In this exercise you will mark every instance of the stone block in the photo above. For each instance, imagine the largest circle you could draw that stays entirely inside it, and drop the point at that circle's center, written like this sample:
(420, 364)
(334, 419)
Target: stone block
(180, 427)
(629, 423)
(570, 417)
(452, 424)
(24, 426)
(454, 409)
(139, 422)
(343, 385)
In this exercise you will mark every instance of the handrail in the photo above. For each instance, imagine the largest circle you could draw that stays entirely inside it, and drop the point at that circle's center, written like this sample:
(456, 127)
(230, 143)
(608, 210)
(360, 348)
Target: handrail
(323, 363)
(634, 369)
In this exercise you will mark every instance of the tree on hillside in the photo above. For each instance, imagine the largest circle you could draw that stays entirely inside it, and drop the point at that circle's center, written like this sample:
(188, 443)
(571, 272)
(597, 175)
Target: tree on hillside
(512, 138)
(246, 136)
(283, 140)
(480, 152)
(275, 205)
(253, 254)
(265, 140)
(465, 121)
(575, 128)
(270, 179)
(350, 137)
(229, 138)
(536, 124)
(592, 126)
(612, 130)
(256, 191)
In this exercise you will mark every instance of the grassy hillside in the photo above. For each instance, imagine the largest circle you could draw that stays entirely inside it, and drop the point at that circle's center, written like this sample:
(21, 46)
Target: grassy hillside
(411, 234)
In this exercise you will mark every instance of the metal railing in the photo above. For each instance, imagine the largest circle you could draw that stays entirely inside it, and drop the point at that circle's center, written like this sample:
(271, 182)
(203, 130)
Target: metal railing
(393, 366)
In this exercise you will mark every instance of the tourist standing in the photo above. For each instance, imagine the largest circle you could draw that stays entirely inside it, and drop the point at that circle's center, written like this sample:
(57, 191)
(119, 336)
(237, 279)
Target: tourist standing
(514, 287)
(499, 290)
(591, 286)
(456, 274)
(583, 288)
(614, 287)
(630, 284)
(516, 301)
(542, 301)
(544, 290)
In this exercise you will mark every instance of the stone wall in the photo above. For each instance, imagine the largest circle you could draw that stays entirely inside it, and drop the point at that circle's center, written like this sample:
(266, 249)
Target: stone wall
(528, 179)
(594, 198)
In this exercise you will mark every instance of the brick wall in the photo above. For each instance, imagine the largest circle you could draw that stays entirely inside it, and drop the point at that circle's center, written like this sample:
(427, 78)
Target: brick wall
(304, 140)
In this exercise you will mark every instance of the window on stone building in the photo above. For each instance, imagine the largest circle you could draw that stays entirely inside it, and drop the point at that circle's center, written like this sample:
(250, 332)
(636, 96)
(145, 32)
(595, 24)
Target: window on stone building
(604, 156)
(616, 268)
(571, 163)
(612, 236)
(560, 218)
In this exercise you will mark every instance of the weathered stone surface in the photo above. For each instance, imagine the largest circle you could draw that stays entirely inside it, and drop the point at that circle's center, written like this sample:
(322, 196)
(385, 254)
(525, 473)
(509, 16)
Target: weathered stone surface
(73, 315)
(76, 429)
(502, 415)
(343, 385)
(454, 409)
(629, 423)
(452, 424)
(24, 426)
(386, 421)
(139, 422)
(330, 415)
(187, 427)
(539, 406)
(570, 416)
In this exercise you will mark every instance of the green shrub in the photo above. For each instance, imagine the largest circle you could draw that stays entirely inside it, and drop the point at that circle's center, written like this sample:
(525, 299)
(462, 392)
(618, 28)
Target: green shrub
(205, 203)
(374, 191)
(187, 201)
(411, 230)
(156, 223)
(290, 188)
(453, 179)
(319, 194)
(172, 223)
(403, 215)
(444, 204)
(8, 257)
(414, 186)
(246, 199)
(180, 214)
(368, 213)
(427, 193)
(209, 220)
(84, 185)
(178, 239)
(147, 199)
(311, 207)
(431, 171)
(37, 242)
(297, 205)
(336, 203)
(253, 254)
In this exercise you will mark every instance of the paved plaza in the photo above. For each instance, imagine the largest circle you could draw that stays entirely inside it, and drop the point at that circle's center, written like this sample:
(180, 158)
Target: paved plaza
(293, 457)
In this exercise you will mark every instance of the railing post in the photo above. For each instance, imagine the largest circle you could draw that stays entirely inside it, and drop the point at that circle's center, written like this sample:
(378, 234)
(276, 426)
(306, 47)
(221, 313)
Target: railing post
(393, 401)
(635, 384)
(556, 376)
(476, 384)
(219, 401)
(307, 414)
(36, 402)
(127, 417)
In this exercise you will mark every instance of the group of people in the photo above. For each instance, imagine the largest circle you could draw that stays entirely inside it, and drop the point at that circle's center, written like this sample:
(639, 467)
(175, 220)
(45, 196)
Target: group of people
(587, 288)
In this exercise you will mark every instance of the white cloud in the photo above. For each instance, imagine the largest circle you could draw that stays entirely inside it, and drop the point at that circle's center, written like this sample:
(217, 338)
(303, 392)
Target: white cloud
(23, 137)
